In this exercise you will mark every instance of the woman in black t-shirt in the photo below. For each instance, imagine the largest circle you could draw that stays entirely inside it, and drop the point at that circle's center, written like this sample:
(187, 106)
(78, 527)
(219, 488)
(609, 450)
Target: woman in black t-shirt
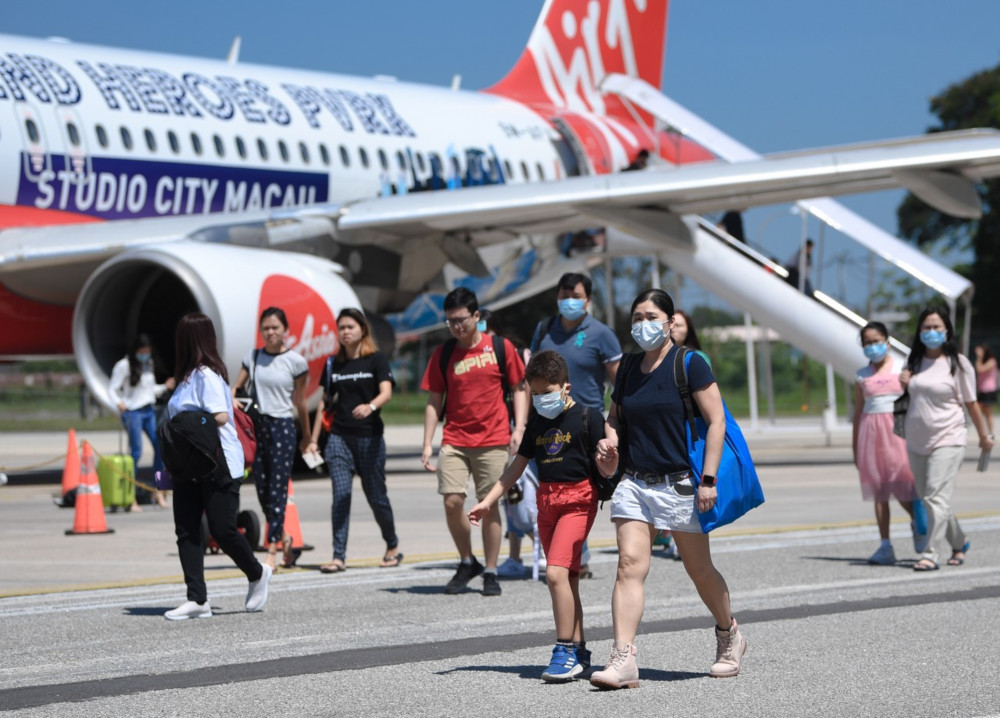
(657, 490)
(357, 383)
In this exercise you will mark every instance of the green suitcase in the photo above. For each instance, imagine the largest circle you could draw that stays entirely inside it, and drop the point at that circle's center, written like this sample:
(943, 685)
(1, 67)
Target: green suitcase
(116, 475)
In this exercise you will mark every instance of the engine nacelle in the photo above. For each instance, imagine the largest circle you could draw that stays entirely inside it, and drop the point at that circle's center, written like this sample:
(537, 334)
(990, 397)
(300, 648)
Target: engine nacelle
(148, 290)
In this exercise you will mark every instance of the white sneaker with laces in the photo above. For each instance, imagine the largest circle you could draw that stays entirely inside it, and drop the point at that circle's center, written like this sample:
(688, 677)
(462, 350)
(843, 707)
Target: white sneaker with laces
(885, 556)
(189, 609)
(511, 568)
(257, 593)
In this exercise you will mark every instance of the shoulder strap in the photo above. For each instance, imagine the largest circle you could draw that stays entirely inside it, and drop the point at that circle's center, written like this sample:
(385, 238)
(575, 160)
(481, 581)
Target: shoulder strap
(328, 376)
(253, 374)
(447, 349)
(500, 350)
(542, 330)
(681, 359)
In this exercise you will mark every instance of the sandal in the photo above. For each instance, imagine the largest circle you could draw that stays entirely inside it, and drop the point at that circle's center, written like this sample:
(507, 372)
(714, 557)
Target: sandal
(335, 566)
(272, 560)
(925, 564)
(956, 559)
(288, 558)
(391, 561)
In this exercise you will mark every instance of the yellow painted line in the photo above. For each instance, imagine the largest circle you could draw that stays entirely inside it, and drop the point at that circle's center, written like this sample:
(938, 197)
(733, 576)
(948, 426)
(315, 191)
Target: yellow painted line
(448, 555)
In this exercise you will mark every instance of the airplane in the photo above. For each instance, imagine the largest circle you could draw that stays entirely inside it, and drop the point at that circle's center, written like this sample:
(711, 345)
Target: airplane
(140, 186)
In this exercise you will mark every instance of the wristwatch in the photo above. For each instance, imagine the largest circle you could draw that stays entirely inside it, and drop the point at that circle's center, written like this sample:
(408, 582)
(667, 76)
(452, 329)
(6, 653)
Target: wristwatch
(373, 407)
(708, 480)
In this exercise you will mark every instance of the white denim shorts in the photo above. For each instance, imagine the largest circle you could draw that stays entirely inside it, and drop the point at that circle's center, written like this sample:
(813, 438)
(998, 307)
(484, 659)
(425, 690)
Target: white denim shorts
(659, 505)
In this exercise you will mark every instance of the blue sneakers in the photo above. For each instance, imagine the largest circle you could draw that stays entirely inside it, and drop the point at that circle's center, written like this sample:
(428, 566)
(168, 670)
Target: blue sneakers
(564, 666)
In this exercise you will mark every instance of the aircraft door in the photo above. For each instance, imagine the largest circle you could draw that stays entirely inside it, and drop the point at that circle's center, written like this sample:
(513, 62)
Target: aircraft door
(35, 141)
(571, 152)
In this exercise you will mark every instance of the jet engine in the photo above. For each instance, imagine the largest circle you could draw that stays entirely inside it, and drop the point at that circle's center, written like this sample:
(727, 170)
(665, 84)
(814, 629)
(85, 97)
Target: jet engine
(149, 289)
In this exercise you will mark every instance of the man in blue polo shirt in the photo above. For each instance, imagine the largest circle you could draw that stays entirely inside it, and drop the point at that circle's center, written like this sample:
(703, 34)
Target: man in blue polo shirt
(589, 347)
(592, 352)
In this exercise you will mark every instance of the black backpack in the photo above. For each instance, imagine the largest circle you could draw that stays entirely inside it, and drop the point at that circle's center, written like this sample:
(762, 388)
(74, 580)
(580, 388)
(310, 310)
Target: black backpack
(500, 350)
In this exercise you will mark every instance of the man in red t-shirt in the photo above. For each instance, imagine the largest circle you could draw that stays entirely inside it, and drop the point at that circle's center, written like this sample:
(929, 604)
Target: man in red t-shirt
(477, 437)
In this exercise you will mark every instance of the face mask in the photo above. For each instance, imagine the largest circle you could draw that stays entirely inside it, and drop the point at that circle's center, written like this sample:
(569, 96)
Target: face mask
(876, 352)
(933, 339)
(572, 309)
(549, 405)
(143, 357)
(481, 325)
(648, 335)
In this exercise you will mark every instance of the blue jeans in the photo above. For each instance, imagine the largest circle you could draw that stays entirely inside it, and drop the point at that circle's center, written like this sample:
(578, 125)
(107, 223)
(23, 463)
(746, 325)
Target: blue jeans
(136, 423)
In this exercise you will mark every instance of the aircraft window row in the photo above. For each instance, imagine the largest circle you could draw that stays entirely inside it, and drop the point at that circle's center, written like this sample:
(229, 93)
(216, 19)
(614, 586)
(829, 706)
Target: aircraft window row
(433, 163)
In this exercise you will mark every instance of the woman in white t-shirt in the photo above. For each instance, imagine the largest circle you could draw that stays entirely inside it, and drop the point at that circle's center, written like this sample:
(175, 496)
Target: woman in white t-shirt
(201, 387)
(134, 391)
(278, 378)
(940, 382)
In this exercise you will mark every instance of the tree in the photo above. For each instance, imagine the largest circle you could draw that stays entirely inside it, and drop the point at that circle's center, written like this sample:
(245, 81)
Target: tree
(974, 102)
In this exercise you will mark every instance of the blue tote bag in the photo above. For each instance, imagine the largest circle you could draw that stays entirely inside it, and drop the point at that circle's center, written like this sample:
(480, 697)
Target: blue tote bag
(737, 485)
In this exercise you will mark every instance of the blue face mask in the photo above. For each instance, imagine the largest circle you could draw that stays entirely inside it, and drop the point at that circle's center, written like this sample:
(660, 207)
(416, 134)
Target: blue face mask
(876, 352)
(933, 339)
(648, 335)
(481, 325)
(572, 309)
(549, 405)
(143, 357)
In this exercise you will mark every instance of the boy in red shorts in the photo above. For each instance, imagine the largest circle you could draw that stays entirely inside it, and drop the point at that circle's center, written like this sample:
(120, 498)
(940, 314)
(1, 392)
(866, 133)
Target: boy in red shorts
(567, 500)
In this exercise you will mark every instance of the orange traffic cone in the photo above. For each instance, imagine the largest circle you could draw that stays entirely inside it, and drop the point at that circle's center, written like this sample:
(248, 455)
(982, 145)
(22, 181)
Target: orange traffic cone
(71, 472)
(292, 527)
(89, 518)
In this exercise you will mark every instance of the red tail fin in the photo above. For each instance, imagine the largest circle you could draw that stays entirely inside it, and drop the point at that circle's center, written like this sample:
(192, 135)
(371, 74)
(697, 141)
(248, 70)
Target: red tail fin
(576, 43)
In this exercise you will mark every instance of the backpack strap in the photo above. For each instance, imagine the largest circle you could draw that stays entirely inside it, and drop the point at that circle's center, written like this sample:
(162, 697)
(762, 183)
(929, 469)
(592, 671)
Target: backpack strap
(447, 349)
(541, 331)
(500, 350)
(681, 359)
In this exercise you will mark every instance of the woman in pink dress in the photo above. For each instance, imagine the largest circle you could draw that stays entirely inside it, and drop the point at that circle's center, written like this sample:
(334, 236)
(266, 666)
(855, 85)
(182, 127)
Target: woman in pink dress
(879, 454)
(986, 383)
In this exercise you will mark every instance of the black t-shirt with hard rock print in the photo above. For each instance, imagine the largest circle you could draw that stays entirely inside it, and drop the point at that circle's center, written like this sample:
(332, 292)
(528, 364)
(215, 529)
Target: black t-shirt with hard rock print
(348, 384)
(557, 444)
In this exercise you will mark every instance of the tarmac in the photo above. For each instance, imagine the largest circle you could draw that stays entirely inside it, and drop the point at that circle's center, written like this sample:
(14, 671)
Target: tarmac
(83, 632)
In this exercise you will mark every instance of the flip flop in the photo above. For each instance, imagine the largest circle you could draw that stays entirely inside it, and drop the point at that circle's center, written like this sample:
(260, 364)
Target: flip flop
(391, 561)
(925, 564)
(954, 560)
(335, 566)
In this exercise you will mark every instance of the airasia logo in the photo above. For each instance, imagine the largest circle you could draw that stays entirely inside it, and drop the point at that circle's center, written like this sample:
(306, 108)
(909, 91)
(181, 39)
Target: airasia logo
(312, 327)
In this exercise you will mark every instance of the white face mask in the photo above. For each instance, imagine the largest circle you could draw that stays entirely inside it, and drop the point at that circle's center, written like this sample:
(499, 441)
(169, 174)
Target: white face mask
(549, 405)
(648, 335)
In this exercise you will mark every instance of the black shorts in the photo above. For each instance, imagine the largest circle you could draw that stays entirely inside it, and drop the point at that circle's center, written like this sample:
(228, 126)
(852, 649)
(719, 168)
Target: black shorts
(986, 397)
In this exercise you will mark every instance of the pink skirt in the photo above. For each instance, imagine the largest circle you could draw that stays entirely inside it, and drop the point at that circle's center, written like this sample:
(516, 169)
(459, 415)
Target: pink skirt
(883, 465)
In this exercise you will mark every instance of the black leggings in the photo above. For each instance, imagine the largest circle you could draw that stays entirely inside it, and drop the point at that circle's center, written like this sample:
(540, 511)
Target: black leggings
(220, 504)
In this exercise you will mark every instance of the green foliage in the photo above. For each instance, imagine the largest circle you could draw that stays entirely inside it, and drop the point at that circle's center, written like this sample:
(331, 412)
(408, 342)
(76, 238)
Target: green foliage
(973, 102)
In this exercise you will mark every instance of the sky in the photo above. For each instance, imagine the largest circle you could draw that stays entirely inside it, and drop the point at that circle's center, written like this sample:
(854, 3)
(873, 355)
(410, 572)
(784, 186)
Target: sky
(777, 75)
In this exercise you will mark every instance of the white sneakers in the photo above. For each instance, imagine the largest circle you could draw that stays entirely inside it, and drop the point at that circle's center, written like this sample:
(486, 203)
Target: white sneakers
(189, 609)
(256, 598)
(257, 593)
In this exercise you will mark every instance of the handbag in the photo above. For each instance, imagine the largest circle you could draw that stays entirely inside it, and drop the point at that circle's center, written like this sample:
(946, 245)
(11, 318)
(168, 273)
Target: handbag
(737, 487)
(899, 409)
(246, 432)
(248, 399)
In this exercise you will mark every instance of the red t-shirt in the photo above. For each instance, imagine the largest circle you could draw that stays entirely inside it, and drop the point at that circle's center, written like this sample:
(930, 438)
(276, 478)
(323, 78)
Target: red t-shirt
(475, 413)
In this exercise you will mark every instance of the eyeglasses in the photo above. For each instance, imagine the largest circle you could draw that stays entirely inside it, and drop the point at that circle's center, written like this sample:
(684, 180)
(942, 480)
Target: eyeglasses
(458, 321)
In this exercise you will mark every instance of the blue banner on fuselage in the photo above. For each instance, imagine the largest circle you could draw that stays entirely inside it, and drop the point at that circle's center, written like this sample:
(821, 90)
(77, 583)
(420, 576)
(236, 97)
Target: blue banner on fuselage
(115, 188)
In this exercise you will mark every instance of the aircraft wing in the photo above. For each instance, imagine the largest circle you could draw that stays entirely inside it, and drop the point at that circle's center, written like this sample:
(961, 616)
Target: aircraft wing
(940, 168)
